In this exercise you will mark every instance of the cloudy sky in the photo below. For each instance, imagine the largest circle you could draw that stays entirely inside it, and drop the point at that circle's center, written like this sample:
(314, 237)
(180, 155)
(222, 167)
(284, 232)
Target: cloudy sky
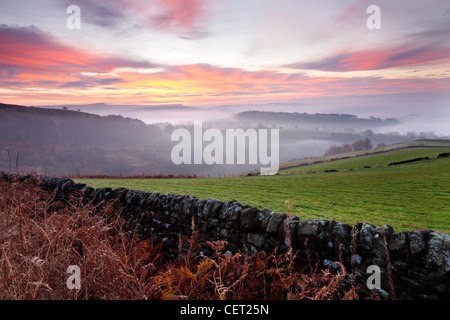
(216, 52)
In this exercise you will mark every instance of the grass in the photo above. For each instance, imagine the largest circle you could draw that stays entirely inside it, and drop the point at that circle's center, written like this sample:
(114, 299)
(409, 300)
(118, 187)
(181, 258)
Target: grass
(408, 196)
(373, 160)
(437, 144)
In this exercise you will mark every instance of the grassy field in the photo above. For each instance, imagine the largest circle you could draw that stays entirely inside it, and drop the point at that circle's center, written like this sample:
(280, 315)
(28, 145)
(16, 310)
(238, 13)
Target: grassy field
(373, 161)
(408, 196)
(438, 143)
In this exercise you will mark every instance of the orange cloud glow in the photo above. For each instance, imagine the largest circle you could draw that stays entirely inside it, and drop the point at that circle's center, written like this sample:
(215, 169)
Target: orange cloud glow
(377, 59)
(36, 69)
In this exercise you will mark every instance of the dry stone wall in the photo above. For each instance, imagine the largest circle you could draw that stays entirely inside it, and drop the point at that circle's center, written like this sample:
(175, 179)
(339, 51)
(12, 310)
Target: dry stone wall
(419, 260)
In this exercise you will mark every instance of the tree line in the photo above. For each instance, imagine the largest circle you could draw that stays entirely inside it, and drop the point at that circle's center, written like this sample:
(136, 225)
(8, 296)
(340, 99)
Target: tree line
(360, 145)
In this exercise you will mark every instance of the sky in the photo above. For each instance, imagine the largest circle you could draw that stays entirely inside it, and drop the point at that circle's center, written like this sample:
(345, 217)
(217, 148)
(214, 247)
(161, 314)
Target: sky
(224, 52)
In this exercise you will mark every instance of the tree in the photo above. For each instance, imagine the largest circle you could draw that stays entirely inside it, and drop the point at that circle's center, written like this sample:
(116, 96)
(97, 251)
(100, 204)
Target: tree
(337, 150)
(361, 145)
(333, 150)
(347, 148)
(368, 133)
(368, 144)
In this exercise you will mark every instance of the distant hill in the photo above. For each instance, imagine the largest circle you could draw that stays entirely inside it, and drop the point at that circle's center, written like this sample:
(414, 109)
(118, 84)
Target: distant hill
(19, 123)
(70, 142)
(306, 120)
(59, 141)
(147, 113)
(107, 109)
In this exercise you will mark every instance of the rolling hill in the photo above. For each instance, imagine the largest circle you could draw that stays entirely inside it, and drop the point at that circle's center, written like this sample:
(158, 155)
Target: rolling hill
(71, 142)
(328, 161)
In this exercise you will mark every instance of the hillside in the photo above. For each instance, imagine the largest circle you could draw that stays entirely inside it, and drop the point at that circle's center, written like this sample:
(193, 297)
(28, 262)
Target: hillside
(328, 161)
(70, 142)
(19, 123)
(370, 161)
(76, 143)
(343, 121)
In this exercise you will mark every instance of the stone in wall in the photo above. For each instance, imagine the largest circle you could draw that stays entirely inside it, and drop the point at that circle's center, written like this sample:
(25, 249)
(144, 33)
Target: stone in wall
(438, 255)
(399, 247)
(342, 235)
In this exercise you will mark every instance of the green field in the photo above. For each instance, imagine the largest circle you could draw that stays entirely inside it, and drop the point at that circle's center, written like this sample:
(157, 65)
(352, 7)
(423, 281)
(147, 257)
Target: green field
(408, 196)
(438, 143)
(373, 161)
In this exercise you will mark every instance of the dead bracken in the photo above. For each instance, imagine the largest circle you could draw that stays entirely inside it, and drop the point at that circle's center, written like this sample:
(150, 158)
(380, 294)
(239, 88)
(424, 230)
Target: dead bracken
(41, 237)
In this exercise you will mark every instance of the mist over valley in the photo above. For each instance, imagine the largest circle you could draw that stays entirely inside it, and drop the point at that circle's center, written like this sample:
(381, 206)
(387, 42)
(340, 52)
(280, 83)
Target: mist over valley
(129, 140)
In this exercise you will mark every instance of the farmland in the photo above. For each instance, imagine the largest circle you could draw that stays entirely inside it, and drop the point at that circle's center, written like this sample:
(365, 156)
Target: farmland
(359, 189)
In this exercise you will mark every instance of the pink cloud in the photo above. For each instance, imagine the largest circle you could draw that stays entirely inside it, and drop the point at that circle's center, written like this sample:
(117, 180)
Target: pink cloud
(30, 58)
(184, 13)
(185, 17)
(377, 59)
(29, 53)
